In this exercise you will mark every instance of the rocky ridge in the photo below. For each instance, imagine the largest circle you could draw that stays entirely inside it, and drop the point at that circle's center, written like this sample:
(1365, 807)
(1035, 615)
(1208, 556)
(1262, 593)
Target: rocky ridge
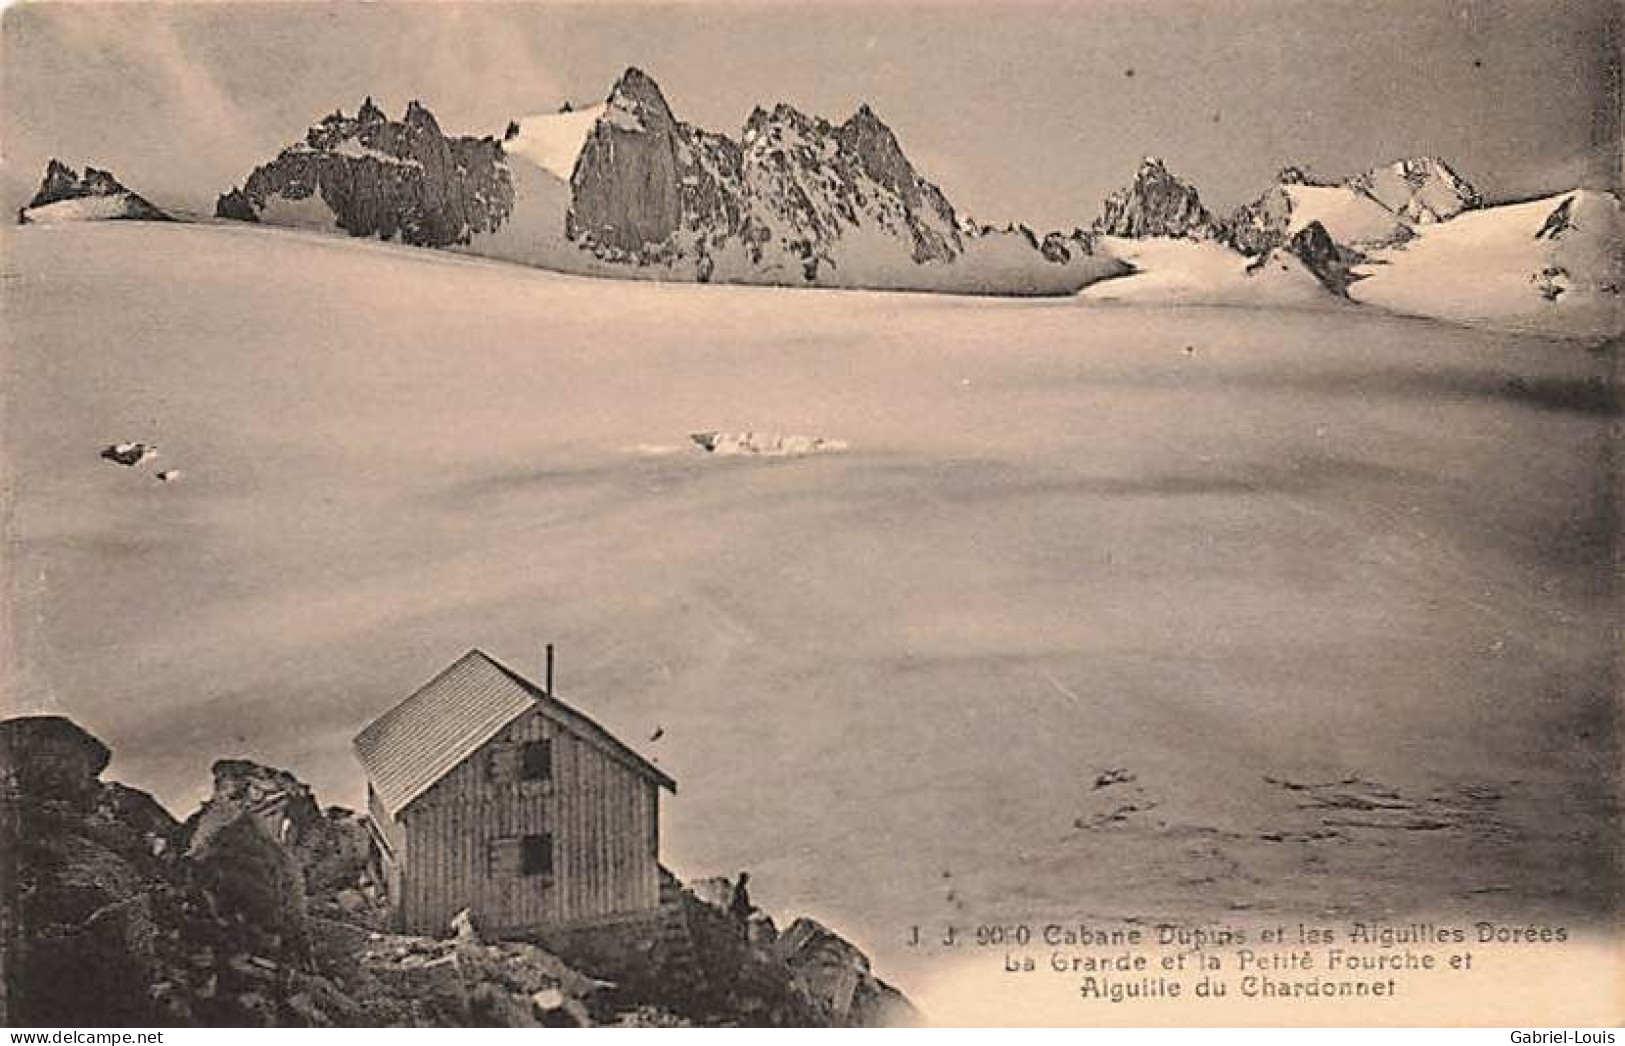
(66, 195)
(1329, 228)
(371, 176)
(796, 199)
(627, 189)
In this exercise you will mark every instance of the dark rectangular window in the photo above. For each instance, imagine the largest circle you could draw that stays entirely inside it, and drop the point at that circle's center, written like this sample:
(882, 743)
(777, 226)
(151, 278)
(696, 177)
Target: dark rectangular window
(536, 761)
(536, 855)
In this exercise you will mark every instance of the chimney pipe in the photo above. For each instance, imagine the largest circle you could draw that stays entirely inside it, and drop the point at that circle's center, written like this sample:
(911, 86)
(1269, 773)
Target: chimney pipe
(549, 670)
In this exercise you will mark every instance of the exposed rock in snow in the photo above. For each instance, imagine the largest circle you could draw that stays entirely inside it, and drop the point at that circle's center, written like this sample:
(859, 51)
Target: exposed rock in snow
(1420, 190)
(1314, 246)
(1373, 210)
(635, 192)
(236, 206)
(130, 454)
(1180, 271)
(764, 444)
(65, 195)
(373, 176)
(1558, 222)
(1155, 203)
(626, 189)
(1353, 220)
(797, 197)
(169, 475)
(1552, 265)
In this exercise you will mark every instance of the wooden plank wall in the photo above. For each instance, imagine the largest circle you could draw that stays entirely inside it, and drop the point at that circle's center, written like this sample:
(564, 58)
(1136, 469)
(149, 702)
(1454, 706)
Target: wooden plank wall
(601, 814)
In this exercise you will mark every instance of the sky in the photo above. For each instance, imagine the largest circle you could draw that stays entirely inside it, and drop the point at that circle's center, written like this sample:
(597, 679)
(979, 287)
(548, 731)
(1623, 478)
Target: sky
(1020, 111)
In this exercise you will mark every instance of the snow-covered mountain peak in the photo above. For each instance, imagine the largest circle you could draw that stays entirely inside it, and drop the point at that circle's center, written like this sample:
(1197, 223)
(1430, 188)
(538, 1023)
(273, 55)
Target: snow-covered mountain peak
(626, 187)
(1420, 189)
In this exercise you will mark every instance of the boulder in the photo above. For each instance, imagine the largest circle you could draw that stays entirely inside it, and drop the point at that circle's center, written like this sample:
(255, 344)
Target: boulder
(838, 976)
(51, 757)
(257, 884)
(330, 847)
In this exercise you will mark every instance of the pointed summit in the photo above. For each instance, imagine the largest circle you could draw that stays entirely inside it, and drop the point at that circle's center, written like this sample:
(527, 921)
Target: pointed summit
(369, 112)
(638, 97)
(877, 150)
(59, 183)
(419, 118)
(1156, 203)
(634, 82)
(864, 117)
(625, 190)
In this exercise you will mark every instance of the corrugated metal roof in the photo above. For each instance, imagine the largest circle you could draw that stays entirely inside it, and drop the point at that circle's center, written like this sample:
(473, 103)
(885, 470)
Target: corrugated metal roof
(416, 743)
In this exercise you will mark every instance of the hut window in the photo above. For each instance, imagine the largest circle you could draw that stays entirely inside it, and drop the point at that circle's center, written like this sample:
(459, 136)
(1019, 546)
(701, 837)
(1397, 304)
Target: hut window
(536, 761)
(503, 857)
(536, 855)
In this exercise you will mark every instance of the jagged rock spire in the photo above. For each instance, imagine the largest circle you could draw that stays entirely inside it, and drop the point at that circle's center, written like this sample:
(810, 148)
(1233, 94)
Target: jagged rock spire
(59, 183)
(1156, 203)
(418, 118)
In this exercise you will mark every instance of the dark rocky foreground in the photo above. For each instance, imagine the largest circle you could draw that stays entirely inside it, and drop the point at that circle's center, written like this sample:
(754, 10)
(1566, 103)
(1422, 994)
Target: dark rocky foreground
(259, 911)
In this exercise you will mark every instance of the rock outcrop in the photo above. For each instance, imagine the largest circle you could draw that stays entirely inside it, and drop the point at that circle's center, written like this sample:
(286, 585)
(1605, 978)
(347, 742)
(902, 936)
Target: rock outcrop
(1330, 263)
(371, 176)
(765, 444)
(837, 975)
(66, 195)
(260, 911)
(724, 959)
(328, 847)
(796, 192)
(1421, 190)
(627, 186)
(1155, 203)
